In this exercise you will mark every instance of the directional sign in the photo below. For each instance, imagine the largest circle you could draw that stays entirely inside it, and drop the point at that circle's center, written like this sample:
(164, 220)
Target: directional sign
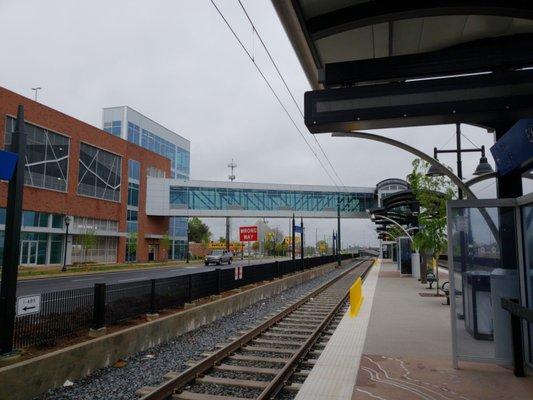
(298, 229)
(8, 162)
(513, 152)
(248, 233)
(28, 305)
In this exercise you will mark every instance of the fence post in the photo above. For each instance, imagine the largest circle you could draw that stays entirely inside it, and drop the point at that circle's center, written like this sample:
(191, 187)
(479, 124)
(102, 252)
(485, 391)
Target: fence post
(219, 280)
(98, 310)
(190, 288)
(153, 309)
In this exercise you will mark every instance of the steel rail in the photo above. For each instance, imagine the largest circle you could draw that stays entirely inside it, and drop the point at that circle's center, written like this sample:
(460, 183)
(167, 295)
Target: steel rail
(279, 381)
(167, 389)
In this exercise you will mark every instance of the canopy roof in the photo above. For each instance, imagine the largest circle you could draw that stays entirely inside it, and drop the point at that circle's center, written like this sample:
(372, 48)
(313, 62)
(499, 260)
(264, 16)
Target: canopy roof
(332, 31)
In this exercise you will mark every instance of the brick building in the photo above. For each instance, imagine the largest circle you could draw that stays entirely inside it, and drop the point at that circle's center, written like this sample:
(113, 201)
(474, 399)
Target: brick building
(75, 169)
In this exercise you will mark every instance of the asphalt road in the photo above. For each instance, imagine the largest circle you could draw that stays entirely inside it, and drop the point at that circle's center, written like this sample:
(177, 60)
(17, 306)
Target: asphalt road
(42, 285)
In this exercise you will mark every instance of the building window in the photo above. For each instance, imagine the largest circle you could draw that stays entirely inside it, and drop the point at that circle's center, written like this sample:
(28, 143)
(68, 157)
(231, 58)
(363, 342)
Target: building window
(113, 127)
(155, 172)
(47, 156)
(132, 221)
(182, 160)
(93, 224)
(134, 133)
(134, 170)
(103, 251)
(35, 219)
(99, 174)
(133, 194)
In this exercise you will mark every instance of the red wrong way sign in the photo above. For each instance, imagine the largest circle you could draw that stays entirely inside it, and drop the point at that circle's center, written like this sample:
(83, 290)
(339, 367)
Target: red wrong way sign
(248, 233)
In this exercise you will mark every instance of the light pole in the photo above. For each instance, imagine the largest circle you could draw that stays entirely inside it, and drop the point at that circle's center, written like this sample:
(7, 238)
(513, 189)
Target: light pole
(483, 167)
(36, 89)
(67, 223)
(187, 247)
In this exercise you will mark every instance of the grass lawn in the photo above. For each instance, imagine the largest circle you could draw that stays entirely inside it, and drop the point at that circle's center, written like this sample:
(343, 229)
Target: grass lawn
(25, 271)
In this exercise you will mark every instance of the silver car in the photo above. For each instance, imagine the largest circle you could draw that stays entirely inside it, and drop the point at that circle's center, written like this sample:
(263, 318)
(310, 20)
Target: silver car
(218, 257)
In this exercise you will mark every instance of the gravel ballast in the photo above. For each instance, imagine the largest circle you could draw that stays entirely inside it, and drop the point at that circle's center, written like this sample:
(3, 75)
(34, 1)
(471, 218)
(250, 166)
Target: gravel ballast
(147, 368)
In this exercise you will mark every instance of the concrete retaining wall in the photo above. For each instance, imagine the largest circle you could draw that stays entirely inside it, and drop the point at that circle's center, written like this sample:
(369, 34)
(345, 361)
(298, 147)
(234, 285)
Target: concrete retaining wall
(29, 378)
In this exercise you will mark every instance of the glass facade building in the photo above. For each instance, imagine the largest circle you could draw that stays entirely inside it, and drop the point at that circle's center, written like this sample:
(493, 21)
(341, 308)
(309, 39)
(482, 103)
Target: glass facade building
(136, 128)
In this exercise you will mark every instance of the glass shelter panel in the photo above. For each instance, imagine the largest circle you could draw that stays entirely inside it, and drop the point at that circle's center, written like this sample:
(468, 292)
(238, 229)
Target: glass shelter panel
(527, 226)
(479, 280)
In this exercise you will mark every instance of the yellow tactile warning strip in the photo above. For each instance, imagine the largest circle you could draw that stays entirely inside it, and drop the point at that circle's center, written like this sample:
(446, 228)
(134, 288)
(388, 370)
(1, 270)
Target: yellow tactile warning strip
(334, 375)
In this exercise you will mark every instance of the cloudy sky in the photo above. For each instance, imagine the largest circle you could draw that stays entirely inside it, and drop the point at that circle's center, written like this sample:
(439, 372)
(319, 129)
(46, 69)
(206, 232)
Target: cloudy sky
(177, 62)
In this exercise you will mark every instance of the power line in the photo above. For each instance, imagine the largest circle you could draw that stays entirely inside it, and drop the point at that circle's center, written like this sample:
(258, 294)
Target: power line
(272, 90)
(286, 86)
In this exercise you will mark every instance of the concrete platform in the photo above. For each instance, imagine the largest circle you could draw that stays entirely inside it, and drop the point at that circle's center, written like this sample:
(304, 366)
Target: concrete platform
(399, 348)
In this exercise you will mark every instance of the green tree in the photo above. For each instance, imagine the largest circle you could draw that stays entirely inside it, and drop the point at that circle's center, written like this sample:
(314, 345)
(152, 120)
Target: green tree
(198, 231)
(165, 242)
(131, 246)
(432, 193)
(88, 241)
(322, 246)
(222, 239)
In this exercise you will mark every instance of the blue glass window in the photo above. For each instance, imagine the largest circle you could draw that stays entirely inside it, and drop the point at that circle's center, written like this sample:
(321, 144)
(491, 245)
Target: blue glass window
(113, 127)
(134, 170)
(134, 133)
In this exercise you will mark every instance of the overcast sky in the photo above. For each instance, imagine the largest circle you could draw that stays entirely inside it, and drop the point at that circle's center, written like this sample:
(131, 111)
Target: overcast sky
(177, 62)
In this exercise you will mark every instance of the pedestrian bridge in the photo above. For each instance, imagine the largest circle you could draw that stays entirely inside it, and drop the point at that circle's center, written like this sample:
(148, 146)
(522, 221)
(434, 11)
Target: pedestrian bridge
(179, 198)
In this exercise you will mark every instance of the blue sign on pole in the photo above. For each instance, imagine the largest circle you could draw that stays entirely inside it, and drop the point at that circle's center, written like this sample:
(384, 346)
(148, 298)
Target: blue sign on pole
(298, 229)
(8, 163)
(514, 151)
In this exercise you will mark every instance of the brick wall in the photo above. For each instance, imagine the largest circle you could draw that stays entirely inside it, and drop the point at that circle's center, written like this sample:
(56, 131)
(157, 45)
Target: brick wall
(71, 203)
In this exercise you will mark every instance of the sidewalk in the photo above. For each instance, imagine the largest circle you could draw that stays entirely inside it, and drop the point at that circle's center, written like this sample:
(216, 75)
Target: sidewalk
(406, 352)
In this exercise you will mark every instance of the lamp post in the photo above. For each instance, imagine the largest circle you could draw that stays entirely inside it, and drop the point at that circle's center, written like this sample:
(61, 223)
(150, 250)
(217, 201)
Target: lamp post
(187, 247)
(67, 223)
(483, 167)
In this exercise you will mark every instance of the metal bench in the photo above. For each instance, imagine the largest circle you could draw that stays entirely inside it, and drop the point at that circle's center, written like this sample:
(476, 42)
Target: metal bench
(446, 289)
(431, 279)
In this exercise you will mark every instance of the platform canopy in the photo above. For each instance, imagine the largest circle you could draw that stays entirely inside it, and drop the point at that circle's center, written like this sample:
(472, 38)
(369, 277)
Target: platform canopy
(373, 64)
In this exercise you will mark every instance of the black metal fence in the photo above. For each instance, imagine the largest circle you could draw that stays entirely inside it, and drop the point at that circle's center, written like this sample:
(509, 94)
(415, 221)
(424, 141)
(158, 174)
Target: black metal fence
(68, 312)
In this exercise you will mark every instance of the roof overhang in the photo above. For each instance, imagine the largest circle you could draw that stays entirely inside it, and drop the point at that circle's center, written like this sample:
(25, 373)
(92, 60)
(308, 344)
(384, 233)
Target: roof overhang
(368, 47)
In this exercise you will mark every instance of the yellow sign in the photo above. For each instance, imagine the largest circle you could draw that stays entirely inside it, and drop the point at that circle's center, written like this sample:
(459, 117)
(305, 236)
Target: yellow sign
(288, 240)
(237, 246)
(322, 247)
(356, 297)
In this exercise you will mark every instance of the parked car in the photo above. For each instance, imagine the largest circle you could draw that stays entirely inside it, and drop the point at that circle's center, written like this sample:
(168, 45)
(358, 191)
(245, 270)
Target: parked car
(218, 257)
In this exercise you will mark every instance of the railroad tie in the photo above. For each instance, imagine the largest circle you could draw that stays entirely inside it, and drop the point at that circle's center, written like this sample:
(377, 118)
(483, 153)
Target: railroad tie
(232, 382)
(185, 395)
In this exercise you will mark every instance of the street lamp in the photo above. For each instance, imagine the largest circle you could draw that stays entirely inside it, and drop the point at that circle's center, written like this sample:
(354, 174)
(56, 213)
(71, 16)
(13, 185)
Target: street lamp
(483, 167)
(67, 223)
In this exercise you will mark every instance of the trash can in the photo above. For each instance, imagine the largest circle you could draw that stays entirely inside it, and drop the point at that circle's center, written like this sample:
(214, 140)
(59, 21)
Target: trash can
(504, 284)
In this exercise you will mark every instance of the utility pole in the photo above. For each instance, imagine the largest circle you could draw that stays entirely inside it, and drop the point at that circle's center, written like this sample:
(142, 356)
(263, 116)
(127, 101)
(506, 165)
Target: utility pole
(302, 241)
(338, 231)
(293, 241)
(8, 286)
(36, 89)
(231, 177)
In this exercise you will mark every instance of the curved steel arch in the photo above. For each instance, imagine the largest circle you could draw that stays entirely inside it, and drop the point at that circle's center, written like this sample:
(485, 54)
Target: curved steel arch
(370, 136)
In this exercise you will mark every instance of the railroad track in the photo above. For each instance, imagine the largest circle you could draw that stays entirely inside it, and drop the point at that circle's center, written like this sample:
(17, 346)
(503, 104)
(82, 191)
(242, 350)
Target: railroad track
(272, 359)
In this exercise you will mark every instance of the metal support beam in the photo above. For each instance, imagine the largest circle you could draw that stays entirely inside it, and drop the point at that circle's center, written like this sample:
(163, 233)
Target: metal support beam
(338, 232)
(293, 241)
(8, 288)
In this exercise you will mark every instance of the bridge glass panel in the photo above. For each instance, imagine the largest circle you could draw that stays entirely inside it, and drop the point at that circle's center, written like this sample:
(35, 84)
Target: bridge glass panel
(203, 198)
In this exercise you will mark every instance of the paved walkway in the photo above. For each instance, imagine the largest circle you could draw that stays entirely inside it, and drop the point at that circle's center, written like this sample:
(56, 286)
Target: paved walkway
(399, 348)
